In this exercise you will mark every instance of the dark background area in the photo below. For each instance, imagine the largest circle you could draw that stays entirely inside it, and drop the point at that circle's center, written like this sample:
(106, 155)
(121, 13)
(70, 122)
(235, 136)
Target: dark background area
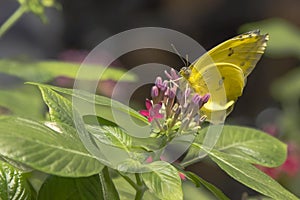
(81, 25)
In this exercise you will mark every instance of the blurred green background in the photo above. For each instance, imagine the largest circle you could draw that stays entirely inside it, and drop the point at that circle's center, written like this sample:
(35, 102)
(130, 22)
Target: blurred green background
(271, 99)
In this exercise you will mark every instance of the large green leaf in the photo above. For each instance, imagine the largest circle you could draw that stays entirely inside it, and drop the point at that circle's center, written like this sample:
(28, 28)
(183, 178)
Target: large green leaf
(163, 181)
(248, 144)
(13, 184)
(60, 108)
(45, 71)
(62, 188)
(107, 109)
(104, 105)
(62, 111)
(41, 148)
(23, 101)
(250, 176)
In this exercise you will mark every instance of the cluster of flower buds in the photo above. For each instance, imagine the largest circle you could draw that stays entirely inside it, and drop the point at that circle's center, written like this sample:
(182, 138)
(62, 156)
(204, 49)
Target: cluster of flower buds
(174, 105)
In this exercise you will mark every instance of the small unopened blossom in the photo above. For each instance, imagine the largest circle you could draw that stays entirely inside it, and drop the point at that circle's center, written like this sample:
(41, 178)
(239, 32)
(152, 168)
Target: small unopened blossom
(149, 159)
(172, 75)
(182, 176)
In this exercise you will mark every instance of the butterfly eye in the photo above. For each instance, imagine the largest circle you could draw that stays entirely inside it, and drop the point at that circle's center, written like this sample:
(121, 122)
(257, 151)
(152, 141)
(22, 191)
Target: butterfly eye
(184, 68)
(187, 72)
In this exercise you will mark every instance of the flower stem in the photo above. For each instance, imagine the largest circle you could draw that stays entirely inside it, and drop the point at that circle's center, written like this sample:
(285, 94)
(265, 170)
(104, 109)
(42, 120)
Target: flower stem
(135, 186)
(138, 186)
(140, 192)
(12, 19)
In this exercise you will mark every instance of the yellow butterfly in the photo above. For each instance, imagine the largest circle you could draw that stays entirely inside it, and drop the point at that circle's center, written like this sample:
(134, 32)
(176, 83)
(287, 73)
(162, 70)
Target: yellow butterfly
(223, 70)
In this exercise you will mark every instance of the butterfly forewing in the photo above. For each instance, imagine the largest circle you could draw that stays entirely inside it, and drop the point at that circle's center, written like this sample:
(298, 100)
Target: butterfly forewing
(243, 51)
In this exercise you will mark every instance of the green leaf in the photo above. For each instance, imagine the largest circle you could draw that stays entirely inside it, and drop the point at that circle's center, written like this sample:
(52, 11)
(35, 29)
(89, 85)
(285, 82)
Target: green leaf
(45, 71)
(17, 165)
(96, 120)
(33, 191)
(104, 105)
(109, 190)
(133, 165)
(250, 176)
(252, 145)
(62, 188)
(108, 109)
(23, 101)
(199, 181)
(163, 181)
(194, 150)
(60, 109)
(279, 30)
(111, 135)
(117, 137)
(248, 144)
(36, 180)
(41, 148)
(13, 184)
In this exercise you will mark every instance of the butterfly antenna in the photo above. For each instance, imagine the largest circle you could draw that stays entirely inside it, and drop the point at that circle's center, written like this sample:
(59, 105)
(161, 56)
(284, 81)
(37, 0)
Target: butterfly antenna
(187, 60)
(173, 46)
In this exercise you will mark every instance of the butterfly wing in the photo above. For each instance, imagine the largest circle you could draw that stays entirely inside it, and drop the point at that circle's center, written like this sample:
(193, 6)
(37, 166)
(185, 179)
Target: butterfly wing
(244, 50)
(214, 79)
(223, 70)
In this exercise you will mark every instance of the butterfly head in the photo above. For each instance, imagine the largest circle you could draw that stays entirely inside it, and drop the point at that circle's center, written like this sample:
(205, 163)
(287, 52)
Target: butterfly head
(185, 72)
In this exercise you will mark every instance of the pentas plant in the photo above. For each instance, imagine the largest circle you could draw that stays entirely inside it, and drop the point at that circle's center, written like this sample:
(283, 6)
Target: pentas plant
(39, 161)
(174, 110)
